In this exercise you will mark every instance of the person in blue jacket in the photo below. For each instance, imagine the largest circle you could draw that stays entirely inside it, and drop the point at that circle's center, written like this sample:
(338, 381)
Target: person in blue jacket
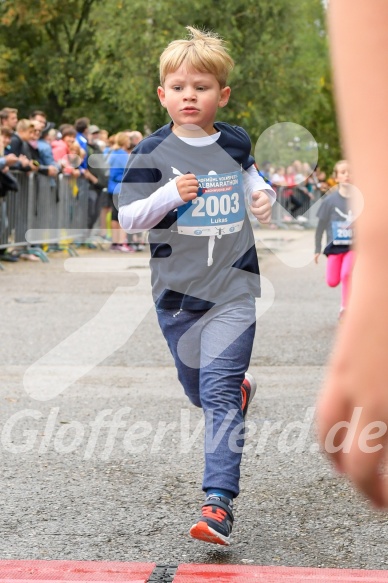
(117, 163)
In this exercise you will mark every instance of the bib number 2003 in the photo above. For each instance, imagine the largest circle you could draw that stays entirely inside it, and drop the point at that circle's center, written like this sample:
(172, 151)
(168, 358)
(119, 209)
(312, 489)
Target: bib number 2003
(212, 205)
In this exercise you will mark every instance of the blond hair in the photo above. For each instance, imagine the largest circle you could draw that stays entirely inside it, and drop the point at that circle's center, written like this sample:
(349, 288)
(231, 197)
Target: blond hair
(121, 141)
(203, 51)
(23, 125)
(75, 148)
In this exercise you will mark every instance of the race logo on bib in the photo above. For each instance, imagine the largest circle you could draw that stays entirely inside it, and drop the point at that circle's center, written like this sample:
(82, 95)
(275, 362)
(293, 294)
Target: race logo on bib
(219, 208)
(342, 232)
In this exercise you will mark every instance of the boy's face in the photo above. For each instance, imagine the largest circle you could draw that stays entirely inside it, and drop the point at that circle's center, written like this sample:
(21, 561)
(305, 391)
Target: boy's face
(192, 99)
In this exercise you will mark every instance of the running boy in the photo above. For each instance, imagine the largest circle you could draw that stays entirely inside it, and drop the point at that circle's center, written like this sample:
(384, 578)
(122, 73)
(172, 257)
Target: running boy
(335, 217)
(186, 183)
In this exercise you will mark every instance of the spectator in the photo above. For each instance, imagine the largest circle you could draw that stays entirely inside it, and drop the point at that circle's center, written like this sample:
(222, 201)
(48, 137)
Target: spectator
(39, 120)
(97, 173)
(111, 143)
(117, 163)
(136, 240)
(18, 161)
(7, 181)
(61, 129)
(82, 133)
(298, 172)
(63, 152)
(104, 136)
(71, 162)
(95, 137)
(301, 191)
(94, 134)
(320, 179)
(51, 135)
(39, 117)
(45, 150)
(20, 146)
(47, 170)
(277, 179)
(82, 126)
(135, 138)
(9, 118)
(289, 200)
(6, 160)
(106, 198)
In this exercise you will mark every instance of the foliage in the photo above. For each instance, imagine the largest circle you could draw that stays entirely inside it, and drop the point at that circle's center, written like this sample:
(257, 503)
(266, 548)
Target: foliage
(47, 60)
(100, 59)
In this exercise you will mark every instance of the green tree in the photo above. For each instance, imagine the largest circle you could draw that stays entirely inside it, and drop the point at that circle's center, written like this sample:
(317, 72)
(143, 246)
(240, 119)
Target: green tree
(279, 47)
(100, 59)
(48, 56)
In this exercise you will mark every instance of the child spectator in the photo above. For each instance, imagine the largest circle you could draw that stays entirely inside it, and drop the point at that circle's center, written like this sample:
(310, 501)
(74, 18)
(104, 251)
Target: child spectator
(72, 161)
(67, 152)
(205, 273)
(335, 218)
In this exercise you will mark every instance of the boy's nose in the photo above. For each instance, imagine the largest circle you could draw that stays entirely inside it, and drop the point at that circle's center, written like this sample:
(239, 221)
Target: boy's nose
(190, 95)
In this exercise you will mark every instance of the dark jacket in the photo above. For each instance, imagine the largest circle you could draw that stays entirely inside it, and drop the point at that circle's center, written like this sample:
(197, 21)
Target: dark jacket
(18, 147)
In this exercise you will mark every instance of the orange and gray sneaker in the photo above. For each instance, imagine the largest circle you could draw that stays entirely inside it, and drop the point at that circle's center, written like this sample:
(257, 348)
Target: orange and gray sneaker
(248, 390)
(215, 524)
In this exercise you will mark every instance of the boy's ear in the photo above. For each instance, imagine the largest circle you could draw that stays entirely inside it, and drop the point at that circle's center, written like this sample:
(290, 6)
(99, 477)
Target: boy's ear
(224, 97)
(161, 95)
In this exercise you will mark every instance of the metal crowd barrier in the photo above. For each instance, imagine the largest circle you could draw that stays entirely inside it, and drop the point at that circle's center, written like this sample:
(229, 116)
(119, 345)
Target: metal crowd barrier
(306, 215)
(48, 210)
(44, 210)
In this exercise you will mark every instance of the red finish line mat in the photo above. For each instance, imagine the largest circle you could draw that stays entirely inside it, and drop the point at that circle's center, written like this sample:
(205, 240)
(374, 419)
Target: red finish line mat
(110, 572)
(64, 571)
(243, 574)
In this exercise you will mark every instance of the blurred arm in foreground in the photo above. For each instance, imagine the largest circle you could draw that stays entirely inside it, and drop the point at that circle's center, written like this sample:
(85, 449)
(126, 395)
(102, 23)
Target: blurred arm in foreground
(356, 387)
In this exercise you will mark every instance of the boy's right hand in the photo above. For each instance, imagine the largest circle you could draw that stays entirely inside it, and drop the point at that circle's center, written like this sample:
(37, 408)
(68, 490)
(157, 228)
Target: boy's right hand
(187, 186)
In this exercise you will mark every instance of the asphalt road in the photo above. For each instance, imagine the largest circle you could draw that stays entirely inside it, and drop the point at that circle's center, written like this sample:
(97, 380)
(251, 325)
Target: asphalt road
(101, 454)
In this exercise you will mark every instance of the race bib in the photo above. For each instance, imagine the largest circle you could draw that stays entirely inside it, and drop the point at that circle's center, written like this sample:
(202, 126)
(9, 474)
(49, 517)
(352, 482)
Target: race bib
(219, 208)
(342, 233)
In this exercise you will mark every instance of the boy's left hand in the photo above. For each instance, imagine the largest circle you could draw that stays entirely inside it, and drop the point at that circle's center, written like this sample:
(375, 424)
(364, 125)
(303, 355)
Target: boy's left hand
(261, 206)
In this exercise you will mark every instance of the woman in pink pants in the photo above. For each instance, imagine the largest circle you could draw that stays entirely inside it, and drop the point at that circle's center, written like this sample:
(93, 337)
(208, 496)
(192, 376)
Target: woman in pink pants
(335, 217)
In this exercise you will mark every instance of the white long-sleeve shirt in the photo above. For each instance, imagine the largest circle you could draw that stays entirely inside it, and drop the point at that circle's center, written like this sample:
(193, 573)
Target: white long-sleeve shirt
(142, 215)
